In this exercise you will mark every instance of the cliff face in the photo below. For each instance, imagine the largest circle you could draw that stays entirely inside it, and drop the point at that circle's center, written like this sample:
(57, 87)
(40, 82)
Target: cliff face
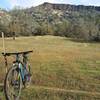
(69, 7)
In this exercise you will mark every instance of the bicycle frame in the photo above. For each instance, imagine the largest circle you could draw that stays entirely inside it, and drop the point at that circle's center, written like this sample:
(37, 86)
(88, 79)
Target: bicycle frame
(22, 66)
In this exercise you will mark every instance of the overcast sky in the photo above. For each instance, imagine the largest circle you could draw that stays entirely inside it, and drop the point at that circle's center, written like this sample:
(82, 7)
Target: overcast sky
(8, 4)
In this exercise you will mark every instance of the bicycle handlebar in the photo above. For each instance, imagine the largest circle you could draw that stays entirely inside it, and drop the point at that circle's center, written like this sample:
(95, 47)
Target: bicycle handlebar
(17, 53)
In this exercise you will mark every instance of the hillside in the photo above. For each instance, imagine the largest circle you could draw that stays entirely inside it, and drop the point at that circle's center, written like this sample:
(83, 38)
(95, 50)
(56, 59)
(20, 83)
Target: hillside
(69, 7)
(77, 21)
(62, 68)
(5, 19)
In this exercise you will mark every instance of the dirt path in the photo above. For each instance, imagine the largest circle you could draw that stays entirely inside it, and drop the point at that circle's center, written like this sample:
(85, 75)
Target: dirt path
(64, 90)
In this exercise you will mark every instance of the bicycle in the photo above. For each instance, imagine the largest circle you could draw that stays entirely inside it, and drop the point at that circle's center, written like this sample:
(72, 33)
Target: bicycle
(17, 76)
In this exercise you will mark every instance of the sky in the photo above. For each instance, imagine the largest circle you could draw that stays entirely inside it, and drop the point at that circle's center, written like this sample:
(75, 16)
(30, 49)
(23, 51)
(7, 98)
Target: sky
(9, 4)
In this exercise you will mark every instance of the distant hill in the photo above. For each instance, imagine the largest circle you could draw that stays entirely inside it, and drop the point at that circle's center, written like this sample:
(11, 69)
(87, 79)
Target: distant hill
(69, 7)
(4, 15)
(5, 19)
(76, 21)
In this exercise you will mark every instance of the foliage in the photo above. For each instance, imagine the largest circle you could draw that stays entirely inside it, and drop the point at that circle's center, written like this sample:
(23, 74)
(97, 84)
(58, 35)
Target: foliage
(81, 22)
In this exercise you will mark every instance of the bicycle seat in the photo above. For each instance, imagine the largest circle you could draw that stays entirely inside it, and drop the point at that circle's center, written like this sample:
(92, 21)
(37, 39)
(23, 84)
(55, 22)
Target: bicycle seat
(16, 53)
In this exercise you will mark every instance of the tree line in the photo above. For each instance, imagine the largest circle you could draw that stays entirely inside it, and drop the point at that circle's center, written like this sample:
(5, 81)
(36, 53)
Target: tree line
(80, 25)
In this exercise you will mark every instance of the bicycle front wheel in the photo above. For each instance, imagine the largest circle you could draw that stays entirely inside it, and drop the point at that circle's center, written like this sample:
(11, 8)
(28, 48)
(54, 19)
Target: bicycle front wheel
(13, 83)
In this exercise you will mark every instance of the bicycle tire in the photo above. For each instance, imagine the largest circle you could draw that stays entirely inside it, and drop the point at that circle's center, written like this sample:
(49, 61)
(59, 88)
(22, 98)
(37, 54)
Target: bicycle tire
(9, 73)
(28, 83)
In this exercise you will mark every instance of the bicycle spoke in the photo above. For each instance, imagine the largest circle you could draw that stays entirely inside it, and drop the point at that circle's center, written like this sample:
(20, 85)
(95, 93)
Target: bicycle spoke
(13, 84)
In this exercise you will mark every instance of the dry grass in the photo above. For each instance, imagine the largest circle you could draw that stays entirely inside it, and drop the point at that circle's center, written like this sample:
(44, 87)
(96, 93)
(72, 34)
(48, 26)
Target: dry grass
(59, 62)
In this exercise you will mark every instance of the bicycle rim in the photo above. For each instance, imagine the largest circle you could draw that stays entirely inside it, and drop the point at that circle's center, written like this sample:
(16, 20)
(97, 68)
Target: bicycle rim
(28, 83)
(13, 84)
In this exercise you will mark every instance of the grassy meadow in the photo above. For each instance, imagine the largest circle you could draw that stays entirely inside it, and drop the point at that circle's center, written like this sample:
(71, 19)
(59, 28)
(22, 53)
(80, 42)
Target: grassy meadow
(62, 69)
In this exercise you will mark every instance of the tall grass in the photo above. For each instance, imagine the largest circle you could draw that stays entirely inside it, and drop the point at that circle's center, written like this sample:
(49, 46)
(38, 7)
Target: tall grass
(60, 63)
